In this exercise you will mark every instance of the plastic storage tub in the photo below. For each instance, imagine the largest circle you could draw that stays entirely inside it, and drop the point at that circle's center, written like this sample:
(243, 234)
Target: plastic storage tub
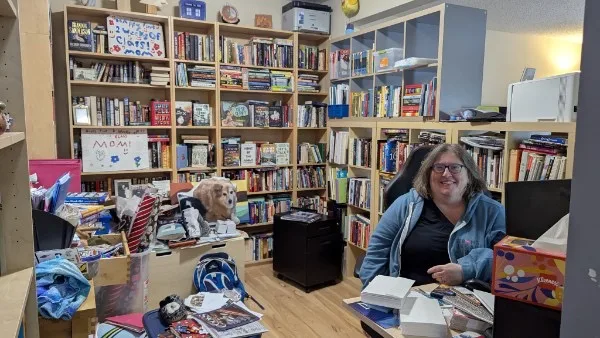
(338, 111)
(385, 59)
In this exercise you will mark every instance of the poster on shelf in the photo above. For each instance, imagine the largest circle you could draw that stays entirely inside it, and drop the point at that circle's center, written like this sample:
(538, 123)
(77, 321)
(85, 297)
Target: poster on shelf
(105, 150)
(133, 37)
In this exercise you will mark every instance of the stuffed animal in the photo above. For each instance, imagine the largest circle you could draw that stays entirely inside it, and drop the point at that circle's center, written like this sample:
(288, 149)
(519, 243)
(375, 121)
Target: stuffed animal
(218, 195)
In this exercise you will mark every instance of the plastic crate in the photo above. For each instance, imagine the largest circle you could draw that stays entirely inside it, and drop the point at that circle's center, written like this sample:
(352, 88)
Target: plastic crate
(338, 111)
(385, 59)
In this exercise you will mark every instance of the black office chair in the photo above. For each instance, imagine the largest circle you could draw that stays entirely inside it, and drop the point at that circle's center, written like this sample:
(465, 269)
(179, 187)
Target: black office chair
(400, 185)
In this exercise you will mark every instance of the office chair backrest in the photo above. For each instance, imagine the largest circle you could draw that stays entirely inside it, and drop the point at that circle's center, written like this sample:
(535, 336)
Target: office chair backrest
(403, 181)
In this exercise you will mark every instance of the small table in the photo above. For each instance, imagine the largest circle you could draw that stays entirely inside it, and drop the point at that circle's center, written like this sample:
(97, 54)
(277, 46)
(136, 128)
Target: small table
(393, 332)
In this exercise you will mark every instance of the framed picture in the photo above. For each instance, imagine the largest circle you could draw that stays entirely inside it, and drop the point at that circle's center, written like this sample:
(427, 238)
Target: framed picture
(263, 21)
(123, 188)
(81, 115)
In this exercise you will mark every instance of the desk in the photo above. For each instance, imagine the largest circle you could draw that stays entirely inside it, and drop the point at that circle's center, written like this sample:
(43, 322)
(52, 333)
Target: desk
(393, 332)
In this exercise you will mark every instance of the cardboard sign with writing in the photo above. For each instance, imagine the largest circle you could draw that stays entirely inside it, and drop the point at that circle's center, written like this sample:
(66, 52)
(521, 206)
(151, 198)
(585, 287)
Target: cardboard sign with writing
(114, 150)
(132, 37)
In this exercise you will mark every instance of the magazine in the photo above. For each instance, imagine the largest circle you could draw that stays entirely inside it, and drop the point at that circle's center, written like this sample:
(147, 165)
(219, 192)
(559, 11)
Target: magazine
(228, 317)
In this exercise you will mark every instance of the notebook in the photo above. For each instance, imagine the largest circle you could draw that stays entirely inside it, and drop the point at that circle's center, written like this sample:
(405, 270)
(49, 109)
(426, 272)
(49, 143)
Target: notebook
(132, 322)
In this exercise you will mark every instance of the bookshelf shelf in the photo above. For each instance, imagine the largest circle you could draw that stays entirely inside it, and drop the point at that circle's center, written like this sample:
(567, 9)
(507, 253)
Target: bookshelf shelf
(10, 138)
(270, 92)
(256, 225)
(311, 189)
(391, 71)
(127, 172)
(258, 167)
(311, 164)
(358, 167)
(196, 62)
(312, 71)
(253, 193)
(312, 94)
(116, 84)
(202, 89)
(225, 29)
(257, 67)
(341, 79)
(257, 128)
(356, 246)
(195, 127)
(311, 128)
(123, 127)
(363, 76)
(15, 290)
(499, 190)
(114, 57)
(188, 169)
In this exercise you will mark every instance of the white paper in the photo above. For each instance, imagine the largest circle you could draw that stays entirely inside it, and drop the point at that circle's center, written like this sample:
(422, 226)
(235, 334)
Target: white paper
(114, 150)
(424, 318)
(133, 37)
(486, 298)
(387, 291)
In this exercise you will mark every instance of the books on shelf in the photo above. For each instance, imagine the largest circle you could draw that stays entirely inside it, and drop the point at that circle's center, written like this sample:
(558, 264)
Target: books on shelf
(263, 179)
(159, 151)
(420, 99)
(311, 57)
(184, 113)
(113, 112)
(202, 114)
(231, 155)
(231, 77)
(317, 203)
(268, 154)
(160, 113)
(195, 47)
(393, 151)
(338, 147)
(111, 72)
(359, 192)
(488, 153)
(362, 104)
(308, 83)
(100, 39)
(339, 64)
(256, 79)
(195, 76)
(259, 247)
(387, 101)
(311, 153)
(282, 153)
(254, 113)
(311, 177)
(80, 35)
(337, 178)
(362, 63)
(262, 209)
(539, 158)
(384, 180)
(248, 154)
(312, 114)
(359, 230)
(253, 153)
(259, 51)
(107, 184)
(160, 76)
(194, 176)
(281, 81)
(338, 93)
(361, 152)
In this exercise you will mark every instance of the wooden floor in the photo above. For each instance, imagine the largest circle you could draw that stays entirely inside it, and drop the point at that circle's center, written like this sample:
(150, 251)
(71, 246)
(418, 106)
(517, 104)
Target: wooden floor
(290, 312)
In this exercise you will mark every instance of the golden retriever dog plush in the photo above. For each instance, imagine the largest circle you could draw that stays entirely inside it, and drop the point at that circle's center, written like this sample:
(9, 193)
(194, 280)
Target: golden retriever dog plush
(218, 196)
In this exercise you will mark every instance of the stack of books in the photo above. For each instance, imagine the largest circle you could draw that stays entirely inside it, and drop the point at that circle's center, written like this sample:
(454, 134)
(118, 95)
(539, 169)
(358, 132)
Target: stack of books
(100, 39)
(195, 47)
(361, 152)
(159, 151)
(362, 63)
(126, 72)
(339, 64)
(311, 57)
(312, 114)
(160, 76)
(359, 230)
(362, 104)
(311, 177)
(316, 203)
(338, 147)
(256, 79)
(311, 153)
(539, 158)
(282, 81)
(339, 93)
(231, 77)
(308, 83)
(390, 292)
(419, 99)
(202, 76)
(387, 101)
(488, 153)
(359, 192)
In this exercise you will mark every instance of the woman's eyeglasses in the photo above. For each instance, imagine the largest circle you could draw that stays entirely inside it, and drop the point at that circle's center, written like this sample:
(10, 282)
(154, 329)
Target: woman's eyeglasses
(453, 168)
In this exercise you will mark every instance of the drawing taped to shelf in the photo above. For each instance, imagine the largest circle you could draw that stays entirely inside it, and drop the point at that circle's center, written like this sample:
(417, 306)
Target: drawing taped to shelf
(132, 37)
(114, 150)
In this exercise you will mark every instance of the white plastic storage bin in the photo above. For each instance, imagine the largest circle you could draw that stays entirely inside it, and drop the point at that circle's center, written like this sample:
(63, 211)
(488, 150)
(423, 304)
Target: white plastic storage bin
(385, 59)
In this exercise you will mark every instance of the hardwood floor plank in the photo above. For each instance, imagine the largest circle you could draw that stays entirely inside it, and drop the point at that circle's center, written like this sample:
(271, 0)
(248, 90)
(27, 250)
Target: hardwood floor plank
(290, 312)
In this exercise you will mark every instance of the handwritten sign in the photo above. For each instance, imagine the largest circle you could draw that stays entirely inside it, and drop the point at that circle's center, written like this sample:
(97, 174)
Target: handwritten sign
(114, 150)
(132, 37)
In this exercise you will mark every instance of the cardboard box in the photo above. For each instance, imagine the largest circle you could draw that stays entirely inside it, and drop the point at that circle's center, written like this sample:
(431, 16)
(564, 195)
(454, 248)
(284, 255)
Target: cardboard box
(527, 274)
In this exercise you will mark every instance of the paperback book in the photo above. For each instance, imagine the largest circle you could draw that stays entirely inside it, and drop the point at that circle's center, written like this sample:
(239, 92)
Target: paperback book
(183, 113)
(202, 114)
(234, 114)
(268, 154)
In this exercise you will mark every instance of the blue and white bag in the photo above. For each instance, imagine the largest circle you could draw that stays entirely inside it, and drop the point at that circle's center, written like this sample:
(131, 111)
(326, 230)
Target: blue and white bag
(217, 272)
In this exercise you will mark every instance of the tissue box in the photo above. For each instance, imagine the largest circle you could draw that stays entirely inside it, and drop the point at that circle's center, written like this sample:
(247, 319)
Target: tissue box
(527, 274)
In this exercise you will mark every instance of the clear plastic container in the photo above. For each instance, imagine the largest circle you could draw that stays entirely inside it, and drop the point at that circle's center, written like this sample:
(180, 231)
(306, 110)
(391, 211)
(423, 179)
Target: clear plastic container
(385, 59)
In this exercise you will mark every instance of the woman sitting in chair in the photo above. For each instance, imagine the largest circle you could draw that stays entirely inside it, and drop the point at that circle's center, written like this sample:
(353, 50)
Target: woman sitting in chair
(443, 230)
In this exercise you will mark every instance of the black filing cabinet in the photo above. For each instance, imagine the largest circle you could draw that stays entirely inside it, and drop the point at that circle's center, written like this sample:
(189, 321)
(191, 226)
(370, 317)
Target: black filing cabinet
(309, 254)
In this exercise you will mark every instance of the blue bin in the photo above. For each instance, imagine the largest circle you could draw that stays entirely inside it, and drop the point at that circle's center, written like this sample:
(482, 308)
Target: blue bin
(192, 9)
(338, 111)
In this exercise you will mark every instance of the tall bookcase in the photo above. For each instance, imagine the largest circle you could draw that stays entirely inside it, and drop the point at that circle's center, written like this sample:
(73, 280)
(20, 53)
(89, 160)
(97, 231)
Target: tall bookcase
(293, 135)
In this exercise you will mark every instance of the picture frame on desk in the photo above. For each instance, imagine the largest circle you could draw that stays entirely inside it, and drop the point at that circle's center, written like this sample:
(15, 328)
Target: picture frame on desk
(81, 115)
(123, 188)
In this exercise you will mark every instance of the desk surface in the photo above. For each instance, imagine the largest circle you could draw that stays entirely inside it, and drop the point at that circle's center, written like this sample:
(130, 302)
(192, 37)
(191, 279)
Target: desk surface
(393, 332)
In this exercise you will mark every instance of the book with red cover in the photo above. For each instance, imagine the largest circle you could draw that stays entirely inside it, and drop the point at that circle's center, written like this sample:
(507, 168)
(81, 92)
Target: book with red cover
(132, 322)
(160, 113)
(411, 101)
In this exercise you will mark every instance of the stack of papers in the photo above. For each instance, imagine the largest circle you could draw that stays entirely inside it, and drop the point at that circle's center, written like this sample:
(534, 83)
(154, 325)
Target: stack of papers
(423, 317)
(387, 291)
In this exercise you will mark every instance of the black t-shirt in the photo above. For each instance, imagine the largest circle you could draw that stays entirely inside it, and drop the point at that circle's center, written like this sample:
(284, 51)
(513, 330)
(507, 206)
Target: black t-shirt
(426, 245)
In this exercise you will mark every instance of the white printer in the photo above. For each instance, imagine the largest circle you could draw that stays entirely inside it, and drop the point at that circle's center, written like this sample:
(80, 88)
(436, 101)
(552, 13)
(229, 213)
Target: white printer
(306, 17)
(549, 99)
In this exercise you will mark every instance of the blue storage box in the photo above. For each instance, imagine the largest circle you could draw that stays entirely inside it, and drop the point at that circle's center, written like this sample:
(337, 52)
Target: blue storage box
(338, 111)
(192, 9)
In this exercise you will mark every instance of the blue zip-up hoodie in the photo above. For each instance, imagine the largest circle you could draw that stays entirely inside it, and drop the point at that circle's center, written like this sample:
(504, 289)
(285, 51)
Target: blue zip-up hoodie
(470, 244)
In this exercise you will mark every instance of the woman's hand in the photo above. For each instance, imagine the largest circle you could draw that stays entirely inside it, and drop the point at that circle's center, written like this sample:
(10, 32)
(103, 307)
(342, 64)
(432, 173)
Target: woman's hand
(448, 274)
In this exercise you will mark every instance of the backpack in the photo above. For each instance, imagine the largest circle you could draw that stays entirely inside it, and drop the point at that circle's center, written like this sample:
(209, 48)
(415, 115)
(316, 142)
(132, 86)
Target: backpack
(216, 272)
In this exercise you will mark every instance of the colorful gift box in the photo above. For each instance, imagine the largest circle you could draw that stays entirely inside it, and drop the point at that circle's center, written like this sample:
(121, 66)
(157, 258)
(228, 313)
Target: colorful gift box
(524, 273)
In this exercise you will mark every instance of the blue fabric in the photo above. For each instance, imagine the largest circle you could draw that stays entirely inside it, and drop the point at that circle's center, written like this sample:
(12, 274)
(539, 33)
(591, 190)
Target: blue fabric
(470, 244)
(61, 288)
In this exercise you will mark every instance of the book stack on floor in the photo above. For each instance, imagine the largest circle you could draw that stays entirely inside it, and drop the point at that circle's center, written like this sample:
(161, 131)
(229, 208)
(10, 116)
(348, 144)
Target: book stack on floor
(160, 76)
(387, 101)
(159, 151)
(192, 113)
(539, 158)
(259, 247)
(108, 111)
(361, 152)
(359, 192)
(311, 153)
(359, 230)
(195, 47)
(339, 93)
(311, 177)
(316, 203)
(194, 176)
(362, 104)
(488, 154)
(280, 81)
(262, 209)
(253, 113)
(419, 99)
(196, 76)
(195, 152)
(312, 115)
(338, 147)
(124, 72)
(339, 64)
(311, 57)
(308, 83)
(393, 151)
(362, 63)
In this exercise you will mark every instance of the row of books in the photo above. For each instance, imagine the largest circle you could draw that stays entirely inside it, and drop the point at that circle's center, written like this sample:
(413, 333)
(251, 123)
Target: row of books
(259, 51)
(362, 104)
(420, 99)
(339, 93)
(384, 180)
(159, 151)
(387, 101)
(337, 178)
(317, 203)
(359, 230)
(193, 113)
(311, 153)
(490, 164)
(263, 180)
(195, 152)
(393, 152)
(311, 177)
(85, 39)
(108, 111)
(339, 64)
(539, 158)
(254, 113)
(338, 147)
(237, 154)
(311, 57)
(194, 177)
(113, 72)
(195, 47)
(107, 184)
(359, 192)
(196, 76)
(362, 63)
(361, 152)
(234, 77)
(262, 209)
(312, 115)
(259, 247)
(308, 83)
